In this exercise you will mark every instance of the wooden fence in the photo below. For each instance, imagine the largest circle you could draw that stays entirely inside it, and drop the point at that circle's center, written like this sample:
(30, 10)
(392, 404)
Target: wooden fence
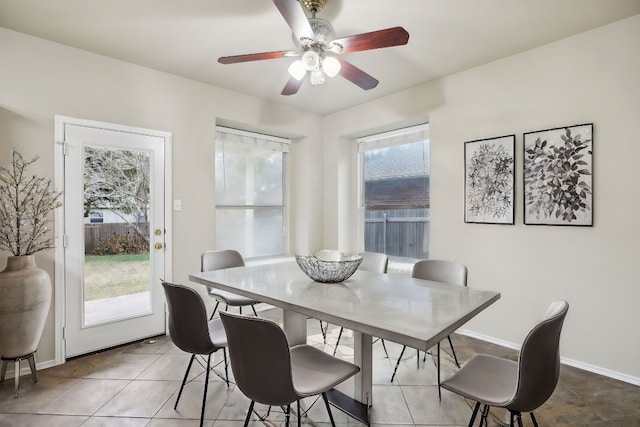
(96, 233)
(406, 236)
(402, 234)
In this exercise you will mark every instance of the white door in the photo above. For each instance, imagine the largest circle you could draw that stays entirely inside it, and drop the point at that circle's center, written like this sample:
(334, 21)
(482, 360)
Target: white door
(114, 234)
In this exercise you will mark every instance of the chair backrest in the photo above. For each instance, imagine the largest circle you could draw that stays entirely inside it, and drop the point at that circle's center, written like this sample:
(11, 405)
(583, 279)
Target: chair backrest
(217, 260)
(188, 324)
(374, 261)
(260, 359)
(539, 361)
(440, 270)
(329, 255)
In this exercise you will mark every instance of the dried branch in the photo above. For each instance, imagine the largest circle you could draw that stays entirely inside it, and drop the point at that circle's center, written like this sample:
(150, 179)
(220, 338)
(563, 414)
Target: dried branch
(27, 202)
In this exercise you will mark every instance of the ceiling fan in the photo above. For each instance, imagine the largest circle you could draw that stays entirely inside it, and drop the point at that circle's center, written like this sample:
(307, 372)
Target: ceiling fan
(318, 48)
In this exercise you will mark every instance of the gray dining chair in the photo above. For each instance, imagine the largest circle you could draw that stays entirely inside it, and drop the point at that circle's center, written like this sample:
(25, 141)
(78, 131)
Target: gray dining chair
(270, 372)
(444, 271)
(191, 332)
(518, 386)
(377, 263)
(218, 260)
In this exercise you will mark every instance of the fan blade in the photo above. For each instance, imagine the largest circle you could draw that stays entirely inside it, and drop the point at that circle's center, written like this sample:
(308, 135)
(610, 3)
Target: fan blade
(254, 57)
(292, 12)
(356, 76)
(389, 37)
(292, 86)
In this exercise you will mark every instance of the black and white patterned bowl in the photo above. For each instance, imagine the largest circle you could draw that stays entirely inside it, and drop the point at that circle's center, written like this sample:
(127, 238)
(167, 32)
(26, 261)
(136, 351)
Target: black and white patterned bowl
(329, 271)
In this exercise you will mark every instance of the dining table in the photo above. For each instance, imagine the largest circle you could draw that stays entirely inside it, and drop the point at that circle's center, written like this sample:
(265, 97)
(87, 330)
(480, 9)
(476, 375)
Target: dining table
(413, 312)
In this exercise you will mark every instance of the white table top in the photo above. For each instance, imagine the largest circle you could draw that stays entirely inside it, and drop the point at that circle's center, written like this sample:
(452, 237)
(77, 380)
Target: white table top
(414, 312)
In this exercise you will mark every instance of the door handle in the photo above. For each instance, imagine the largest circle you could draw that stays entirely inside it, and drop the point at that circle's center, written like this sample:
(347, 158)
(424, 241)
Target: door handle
(158, 245)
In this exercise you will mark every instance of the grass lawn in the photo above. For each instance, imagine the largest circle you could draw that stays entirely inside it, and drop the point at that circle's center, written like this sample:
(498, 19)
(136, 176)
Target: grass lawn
(108, 276)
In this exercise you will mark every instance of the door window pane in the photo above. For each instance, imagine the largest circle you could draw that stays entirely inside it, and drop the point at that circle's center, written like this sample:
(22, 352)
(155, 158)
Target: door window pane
(116, 262)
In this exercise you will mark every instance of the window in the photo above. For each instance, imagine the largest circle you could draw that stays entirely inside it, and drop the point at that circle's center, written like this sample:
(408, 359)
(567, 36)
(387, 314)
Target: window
(395, 192)
(250, 192)
(96, 217)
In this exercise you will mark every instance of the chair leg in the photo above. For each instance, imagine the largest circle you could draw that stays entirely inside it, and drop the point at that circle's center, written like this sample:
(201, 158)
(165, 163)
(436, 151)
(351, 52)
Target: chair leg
(184, 380)
(384, 347)
(246, 420)
(206, 386)
(323, 331)
(517, 416)
(226, 366)
(453, 350)
(533, 418)
(335, 349)
(417, 359)
(438, 369)
(485, 414)
(326, 403)
(214, 310)
(404, 347)
(253, 307)
(288, 412)
(474, 413)
(298, 413)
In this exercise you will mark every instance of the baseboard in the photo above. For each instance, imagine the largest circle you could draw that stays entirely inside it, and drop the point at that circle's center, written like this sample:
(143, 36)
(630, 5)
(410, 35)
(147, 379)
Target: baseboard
(570, 362)
(24, 367)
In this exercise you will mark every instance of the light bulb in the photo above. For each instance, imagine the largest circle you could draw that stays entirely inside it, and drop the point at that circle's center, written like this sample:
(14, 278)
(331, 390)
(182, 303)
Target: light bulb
(311, 60)
(297, 70)
(331, 66)
(317, 77)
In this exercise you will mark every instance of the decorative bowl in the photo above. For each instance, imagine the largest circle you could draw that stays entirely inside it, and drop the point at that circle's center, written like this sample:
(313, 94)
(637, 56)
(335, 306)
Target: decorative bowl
(326, 271)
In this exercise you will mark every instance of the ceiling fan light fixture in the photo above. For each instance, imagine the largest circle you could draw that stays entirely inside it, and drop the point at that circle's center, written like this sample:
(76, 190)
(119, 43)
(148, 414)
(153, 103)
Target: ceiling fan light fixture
(331, 66)
(310, 60)
(317, 77)
(297, 70)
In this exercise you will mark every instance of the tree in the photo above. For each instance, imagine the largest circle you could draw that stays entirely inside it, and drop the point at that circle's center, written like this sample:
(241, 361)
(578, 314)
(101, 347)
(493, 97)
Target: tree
(118, 180)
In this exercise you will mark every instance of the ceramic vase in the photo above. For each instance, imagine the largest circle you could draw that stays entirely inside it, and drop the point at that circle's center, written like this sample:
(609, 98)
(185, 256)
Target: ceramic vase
(25, 298)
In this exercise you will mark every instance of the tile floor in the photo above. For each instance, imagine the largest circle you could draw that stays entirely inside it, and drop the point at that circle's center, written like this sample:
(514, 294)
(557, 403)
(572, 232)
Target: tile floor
(136, 385)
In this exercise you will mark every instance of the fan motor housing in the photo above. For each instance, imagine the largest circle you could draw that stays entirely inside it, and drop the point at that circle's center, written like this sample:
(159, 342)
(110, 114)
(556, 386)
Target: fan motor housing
(313, 5)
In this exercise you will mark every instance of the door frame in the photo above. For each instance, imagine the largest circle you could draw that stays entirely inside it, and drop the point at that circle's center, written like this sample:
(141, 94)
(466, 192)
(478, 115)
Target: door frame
(59, 226)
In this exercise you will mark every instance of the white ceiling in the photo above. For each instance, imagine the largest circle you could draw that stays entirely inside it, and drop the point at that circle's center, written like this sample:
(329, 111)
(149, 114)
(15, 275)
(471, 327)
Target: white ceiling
(185, 37)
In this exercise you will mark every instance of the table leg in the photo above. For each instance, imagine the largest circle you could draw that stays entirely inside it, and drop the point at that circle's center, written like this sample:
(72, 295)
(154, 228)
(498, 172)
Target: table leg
(295, 327)
(358, 406)
(363, 357)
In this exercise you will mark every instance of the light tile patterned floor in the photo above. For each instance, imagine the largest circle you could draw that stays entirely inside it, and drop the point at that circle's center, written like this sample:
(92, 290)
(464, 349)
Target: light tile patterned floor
(136, 385)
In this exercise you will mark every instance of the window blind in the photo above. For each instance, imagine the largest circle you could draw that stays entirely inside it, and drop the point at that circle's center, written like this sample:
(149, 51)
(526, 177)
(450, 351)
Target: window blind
(393, 138)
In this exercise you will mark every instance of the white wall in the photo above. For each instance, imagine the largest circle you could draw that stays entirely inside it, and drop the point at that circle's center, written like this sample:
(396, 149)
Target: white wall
(40, 79)
(593, 77)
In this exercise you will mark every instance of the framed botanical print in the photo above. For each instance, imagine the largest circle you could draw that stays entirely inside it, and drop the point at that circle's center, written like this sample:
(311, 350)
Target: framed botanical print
(489, 180)
(558, 176)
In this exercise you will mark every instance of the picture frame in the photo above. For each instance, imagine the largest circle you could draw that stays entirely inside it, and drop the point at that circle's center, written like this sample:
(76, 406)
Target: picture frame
(489, 172)
(558, 176)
